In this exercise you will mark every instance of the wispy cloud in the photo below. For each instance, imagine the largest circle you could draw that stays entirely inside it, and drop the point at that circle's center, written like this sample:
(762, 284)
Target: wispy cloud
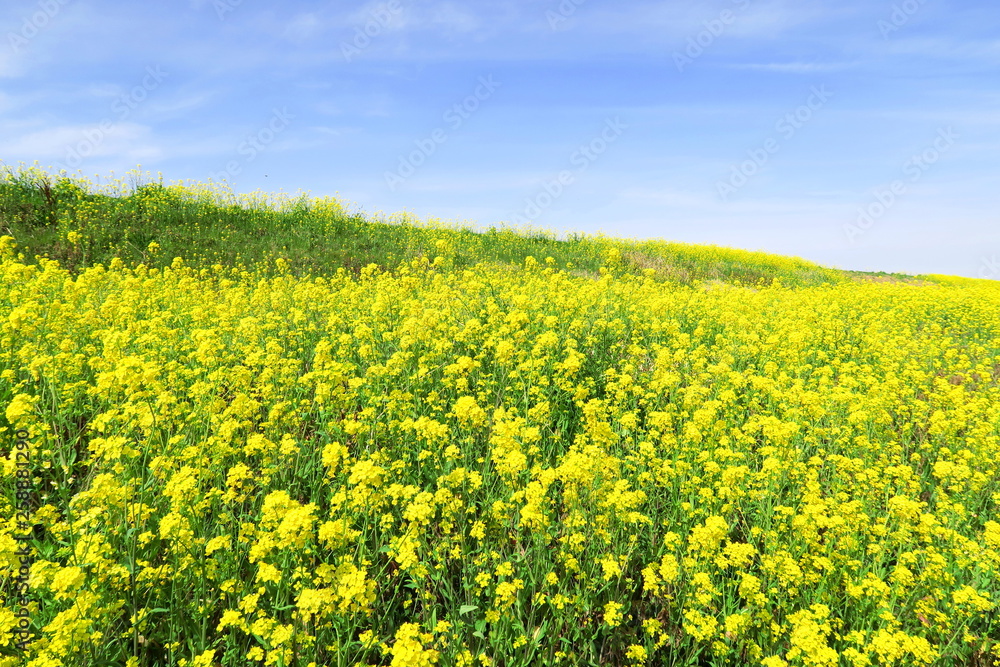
(180, 106)
(794, 67)
(130, 141)
(945, 48)
(303, 27)
(453, 17)
(11, 64)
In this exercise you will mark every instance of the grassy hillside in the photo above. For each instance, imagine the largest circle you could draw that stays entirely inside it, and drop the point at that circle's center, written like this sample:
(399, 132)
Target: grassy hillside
(406, 445)
(80, 225)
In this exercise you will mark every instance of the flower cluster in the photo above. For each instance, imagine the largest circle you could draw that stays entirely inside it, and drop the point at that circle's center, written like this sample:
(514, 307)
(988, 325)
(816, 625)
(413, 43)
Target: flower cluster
(499, 465)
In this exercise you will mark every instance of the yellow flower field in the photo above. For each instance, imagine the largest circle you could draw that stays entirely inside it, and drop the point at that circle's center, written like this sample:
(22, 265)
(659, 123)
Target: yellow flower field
(495, 466)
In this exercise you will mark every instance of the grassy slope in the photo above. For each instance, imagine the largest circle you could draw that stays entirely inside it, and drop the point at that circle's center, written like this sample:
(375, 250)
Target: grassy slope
(69, 220)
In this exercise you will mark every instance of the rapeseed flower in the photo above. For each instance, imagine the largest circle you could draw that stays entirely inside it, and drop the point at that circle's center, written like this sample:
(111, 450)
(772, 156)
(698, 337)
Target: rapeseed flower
(302, 467)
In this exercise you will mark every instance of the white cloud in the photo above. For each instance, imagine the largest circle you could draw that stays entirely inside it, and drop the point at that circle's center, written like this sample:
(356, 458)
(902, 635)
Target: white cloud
(72, 145)
(768, 20)
(378, 13)
(794, 67)
(674, 23)
(180, 105)
(983, 52)
(329, 131)
(10, 64)
(302, 27)
(455, 18)
(103, 90)
(666, 197)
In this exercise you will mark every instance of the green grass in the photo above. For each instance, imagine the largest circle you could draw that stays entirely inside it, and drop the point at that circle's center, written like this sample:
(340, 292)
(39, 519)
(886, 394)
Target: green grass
(79, 225)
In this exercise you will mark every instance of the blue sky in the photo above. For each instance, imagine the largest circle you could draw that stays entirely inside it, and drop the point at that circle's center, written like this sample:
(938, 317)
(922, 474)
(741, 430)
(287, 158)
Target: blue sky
(863, 135)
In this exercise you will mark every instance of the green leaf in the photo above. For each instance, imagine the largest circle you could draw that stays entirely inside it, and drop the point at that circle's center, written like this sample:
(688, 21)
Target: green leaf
(466, 608)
